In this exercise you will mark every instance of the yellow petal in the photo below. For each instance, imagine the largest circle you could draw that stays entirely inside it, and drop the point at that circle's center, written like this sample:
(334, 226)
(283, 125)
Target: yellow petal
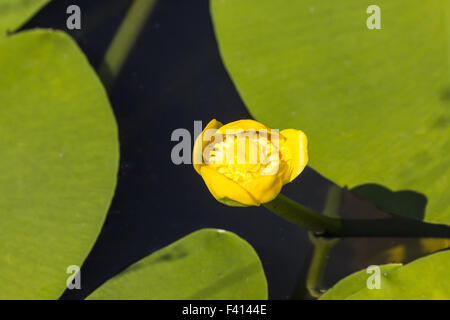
(264, 188)
(200, 145)
(244, 125)
(223, 188)
(298, 147)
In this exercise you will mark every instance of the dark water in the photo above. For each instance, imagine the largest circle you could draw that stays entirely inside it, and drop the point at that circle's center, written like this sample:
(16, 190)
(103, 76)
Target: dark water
(173, 76)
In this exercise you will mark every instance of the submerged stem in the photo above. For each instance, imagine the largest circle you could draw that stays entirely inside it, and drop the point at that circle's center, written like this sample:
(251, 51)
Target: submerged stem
(124, 40)
(322, 249)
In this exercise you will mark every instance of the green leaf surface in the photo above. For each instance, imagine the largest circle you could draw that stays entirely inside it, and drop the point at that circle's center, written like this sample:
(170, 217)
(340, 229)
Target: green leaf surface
(14, 13)
(426, 278)
(375, 104)
(59, 160)
(355, 282)
(206, 264)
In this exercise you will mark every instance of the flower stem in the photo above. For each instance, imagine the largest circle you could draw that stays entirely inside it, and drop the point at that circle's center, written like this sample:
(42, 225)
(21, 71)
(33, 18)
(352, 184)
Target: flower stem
(322, 225)
(302, 216)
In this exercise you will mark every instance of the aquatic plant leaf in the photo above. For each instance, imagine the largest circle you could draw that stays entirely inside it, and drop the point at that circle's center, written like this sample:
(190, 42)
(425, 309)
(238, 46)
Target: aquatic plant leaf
(59, 161)
(355, 282)
(206, 264)
(14, 13)
(375, 104)
(426, 278)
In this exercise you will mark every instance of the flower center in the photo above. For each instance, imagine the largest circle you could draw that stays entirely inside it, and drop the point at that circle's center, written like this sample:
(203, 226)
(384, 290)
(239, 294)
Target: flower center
(244, 155)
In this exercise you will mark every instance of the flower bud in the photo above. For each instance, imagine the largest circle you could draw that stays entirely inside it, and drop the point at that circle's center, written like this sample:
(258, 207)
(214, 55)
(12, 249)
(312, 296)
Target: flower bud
(245, 163)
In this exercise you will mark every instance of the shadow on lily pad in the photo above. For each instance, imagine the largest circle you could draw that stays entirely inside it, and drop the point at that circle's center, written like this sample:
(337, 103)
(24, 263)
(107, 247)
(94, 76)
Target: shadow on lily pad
(406, 203)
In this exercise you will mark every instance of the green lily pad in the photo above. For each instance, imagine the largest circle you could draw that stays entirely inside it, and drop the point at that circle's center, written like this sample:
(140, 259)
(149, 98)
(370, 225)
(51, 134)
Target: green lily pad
(375, 104)
(206, 264)
(14, 13)
(355, 282)
(59, 160)
(426, 278)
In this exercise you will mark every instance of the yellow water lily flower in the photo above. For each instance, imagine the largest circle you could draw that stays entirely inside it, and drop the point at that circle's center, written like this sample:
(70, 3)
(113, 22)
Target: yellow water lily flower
(245, 163)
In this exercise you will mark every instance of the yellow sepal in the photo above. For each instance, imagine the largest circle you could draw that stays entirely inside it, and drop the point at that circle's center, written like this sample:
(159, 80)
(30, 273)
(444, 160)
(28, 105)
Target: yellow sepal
(199, 145)
(298, 147)
(222, 188)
